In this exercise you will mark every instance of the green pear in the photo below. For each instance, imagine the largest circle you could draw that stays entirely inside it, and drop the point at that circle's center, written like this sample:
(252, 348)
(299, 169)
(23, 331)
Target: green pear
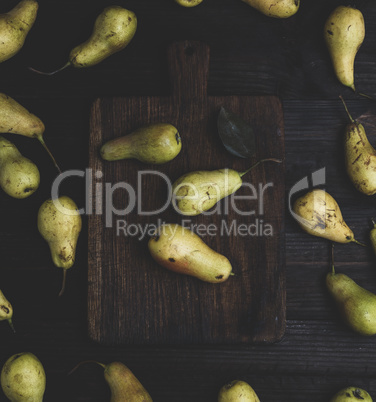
(124, 385)
(344, 32)
(155, 143)
(237, 391)
(15, 119)
(372, 236)
(360, 157)
(197, 192)
(6, 310)
(351, 394)
(59, 223)
(113, 30)
(318, 213)
(23, 378)
(356, 305)
(19, 176)
(180, 250)
(275, 8)
(14, 27)
(189, 3)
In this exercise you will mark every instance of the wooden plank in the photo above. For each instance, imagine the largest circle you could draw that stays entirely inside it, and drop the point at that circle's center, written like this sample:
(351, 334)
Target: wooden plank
(131, 299)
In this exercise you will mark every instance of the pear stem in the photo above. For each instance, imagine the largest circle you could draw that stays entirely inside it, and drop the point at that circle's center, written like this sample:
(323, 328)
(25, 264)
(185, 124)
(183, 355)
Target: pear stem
(241, 174)
(358, 242)
(64, 282)
(41, 140)
(85, 362)
(373, 222)
(11, 325)
(332, 259)
(52, 72)
(366, 96)
(347, 110)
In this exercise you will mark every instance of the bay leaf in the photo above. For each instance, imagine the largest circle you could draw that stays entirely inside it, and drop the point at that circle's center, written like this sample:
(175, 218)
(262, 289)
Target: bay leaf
(236, 134)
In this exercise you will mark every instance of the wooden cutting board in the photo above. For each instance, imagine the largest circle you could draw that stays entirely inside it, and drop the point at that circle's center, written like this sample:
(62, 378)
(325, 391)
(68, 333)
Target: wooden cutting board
(132, 300)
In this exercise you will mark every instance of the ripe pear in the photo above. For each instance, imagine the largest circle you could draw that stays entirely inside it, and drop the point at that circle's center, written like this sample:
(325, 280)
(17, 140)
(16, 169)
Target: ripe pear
(155, 143)
(123, 383)
(344, 32)
(113, 30)
(360, 157)
(275, 8)
(19, 176)
(15, 119)
(14, 27)
(356, 305)
(318, 213)
(351, 394)
(23, 378)
(197, 192)
(237, 391)
(180, 250)
(372, 236)
(189, 3)
(6, 310)
(59, 223)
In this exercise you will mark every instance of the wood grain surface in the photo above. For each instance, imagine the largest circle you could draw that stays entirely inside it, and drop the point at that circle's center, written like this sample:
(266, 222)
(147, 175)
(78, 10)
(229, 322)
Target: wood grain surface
(131, 299)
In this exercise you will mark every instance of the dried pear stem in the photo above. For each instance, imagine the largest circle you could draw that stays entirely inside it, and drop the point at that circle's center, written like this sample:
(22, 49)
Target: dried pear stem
(347, 110)
(10, 322)
(260, 161)
(52, 72)
(64, 282)
(41, 140)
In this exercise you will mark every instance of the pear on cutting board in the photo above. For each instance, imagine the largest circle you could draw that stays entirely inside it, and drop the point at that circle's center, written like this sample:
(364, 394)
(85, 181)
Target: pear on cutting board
(318, 213)
(14, 27)
(344, 32)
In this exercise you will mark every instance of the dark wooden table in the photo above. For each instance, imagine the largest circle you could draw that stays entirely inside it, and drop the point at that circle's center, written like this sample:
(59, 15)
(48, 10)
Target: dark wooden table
(250, 55)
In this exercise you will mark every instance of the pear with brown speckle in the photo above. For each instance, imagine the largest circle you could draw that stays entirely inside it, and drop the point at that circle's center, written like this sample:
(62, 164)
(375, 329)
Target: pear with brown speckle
(237, 391)
(351, 394)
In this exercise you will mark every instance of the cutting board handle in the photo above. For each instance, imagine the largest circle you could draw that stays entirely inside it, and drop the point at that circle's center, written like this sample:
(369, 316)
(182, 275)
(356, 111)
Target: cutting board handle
(188, 63)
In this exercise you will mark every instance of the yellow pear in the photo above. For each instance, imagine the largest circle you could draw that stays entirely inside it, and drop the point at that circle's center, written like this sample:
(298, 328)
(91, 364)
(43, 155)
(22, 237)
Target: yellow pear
(318, 213)
(15, 119)
(124, 385)
(6, 310)
(189, 3)
(344, 32)
(360, 157)
(351, 394)
(356, 305)
(198, 191)
(59, 223)
(180, 250)
(155, 143)
(275, 8)
(14, 27)
(23, 378)
(113, 30)
(19, 176)
(372, 236)
(237, 391)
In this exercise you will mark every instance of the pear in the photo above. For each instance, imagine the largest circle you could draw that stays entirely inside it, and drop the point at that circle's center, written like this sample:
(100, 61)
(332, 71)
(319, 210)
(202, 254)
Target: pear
(123, 383)
(6, 310)
(155, 143)
(372, 236)
(344, 32)
(180, 250)
(23, 378)
(59, 223)
(15, 119)
(356, 305)
(237, 391)
(14, 27)
(19, 176)
(198, 191)
(275, 8)
(360, 157)
(113, 30)
(351, 394)
(318, 213)
(189, 3)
